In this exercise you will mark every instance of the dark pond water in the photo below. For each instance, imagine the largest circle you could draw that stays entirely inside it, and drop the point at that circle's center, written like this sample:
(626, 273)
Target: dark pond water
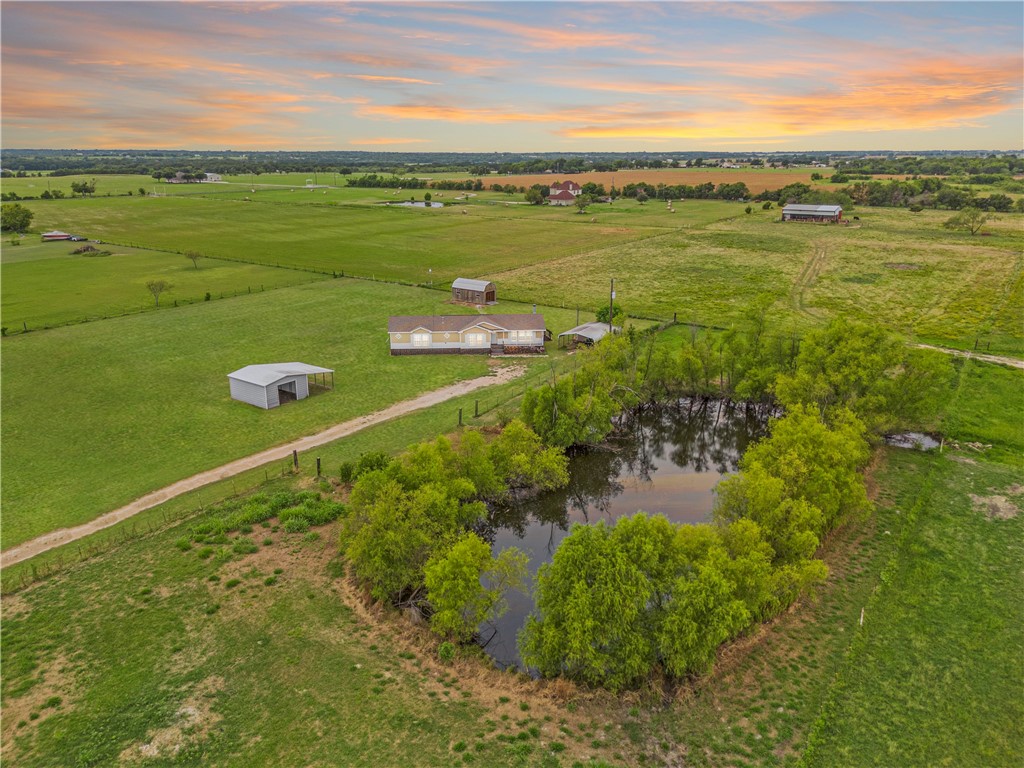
(916, 440)
(666, 461)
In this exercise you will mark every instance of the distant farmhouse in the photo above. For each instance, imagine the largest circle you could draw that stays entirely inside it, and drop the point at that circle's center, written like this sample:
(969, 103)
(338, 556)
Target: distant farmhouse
(812, 213)
(474, 291)
(563, 193)
(467, 334)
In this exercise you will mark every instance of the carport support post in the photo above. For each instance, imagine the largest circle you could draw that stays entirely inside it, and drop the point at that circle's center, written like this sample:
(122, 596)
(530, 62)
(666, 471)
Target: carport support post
(295, 460)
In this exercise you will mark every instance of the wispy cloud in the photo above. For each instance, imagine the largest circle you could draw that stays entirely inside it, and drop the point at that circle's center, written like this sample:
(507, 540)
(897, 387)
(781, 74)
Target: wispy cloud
(537, 75)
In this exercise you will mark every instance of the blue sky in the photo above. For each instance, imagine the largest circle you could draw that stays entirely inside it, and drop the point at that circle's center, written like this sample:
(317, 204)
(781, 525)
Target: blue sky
(497, 76)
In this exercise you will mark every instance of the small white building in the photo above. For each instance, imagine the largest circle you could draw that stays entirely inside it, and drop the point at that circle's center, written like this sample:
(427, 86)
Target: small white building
(269, 385)
(588, 333)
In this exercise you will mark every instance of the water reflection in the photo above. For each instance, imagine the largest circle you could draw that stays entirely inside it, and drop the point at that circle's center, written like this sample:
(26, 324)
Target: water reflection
(666, 460)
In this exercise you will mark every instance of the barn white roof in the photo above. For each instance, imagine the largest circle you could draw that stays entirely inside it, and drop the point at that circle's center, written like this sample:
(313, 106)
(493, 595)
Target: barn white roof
(262, 375)
(592, 331)
(470, 285)
(800, 208)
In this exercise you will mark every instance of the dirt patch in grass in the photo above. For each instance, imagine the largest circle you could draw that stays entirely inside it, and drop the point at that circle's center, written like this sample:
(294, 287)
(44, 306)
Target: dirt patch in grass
(42, 700)
(193, 721)
(962, 459)
(14, 606)
(995, 507)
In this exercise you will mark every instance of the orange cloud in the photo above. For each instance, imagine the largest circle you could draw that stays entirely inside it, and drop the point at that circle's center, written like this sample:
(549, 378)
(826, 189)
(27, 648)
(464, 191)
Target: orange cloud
(391, 79)
(539, 37)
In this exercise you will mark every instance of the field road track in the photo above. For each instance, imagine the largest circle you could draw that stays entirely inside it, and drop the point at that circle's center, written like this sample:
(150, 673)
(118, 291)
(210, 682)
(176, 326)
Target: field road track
(1013, 362)
(63, 536)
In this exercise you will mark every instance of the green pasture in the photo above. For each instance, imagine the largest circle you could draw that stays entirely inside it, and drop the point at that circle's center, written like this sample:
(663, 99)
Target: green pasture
(45, 284)
(254, 660)
(893, 267)
(112, 185)
(98, 414)
(396, 243)
(934, 675)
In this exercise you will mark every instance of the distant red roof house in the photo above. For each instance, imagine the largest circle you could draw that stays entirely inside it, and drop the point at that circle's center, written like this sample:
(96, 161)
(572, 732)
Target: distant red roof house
(565, 197)
(565, 186)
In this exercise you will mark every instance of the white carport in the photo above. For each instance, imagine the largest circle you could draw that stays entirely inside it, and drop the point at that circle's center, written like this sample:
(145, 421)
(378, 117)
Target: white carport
(268, 385)
(588, 333)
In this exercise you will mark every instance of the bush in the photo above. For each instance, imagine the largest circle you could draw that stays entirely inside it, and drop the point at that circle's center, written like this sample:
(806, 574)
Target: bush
(244, 547)
(371, 461)
(183, 544)
(346, 474)
(446, 652)
(296, 524)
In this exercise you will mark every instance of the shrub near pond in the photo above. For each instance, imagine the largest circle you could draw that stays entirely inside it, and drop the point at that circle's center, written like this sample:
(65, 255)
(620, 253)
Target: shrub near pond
(296, 511)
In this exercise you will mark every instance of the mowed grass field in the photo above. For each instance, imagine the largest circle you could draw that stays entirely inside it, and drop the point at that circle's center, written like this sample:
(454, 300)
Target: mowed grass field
(98, 414)
(45, 284)
(395, 243)
(892, 267)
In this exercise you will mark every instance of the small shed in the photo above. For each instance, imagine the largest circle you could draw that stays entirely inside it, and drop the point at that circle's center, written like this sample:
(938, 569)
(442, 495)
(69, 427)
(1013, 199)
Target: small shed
(588, 333)
(474, 291)
(797, 212)
(271, 384)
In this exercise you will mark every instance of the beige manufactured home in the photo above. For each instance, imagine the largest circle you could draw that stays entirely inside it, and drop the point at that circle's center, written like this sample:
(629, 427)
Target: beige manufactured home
(467, 334)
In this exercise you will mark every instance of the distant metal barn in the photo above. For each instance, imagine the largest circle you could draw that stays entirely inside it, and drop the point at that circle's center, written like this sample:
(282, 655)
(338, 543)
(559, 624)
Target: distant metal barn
(474, 291)
(796, 212)
(267, 386)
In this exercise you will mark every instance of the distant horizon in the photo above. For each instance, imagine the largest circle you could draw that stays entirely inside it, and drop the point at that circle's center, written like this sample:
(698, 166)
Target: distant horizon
(996, 151)
(541, 76)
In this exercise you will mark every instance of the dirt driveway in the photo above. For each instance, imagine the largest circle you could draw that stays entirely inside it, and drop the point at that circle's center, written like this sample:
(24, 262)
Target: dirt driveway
(63, 536)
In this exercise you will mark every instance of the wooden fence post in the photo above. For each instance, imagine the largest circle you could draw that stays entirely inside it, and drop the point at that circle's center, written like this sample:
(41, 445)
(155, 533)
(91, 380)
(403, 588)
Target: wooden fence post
(295, 460)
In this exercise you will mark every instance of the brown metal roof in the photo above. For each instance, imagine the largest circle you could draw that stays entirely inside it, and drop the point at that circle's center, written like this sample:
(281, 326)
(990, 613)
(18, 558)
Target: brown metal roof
(459, 323)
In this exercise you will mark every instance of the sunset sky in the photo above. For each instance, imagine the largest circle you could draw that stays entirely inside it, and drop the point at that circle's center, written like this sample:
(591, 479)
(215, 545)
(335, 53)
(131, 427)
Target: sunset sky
(512, 76)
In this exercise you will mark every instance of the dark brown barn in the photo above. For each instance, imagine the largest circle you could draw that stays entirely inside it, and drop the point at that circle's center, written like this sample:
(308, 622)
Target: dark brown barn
(474, 291)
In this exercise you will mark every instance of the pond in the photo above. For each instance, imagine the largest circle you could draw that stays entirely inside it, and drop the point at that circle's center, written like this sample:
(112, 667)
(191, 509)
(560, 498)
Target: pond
(665, 461)
(412, 204)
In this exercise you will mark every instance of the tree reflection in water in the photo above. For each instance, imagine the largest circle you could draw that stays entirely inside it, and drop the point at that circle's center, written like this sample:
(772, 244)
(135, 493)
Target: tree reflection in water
(661, 460)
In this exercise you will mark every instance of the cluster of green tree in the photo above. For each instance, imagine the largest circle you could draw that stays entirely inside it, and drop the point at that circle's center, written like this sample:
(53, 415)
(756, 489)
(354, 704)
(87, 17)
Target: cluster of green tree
(923, 192)
(189, 175)
(631, 369)
(15, 217)
(941, 165)
(409, 535)
(619, 602)
(374, 181)
(705, 191)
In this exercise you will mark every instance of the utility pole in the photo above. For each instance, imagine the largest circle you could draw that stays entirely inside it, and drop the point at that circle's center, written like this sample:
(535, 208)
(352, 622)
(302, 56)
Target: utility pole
(611, 306)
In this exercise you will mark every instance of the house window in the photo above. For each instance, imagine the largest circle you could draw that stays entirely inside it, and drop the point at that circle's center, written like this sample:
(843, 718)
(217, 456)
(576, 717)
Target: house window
(421, 339)
(476, 339)
(522, 335)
